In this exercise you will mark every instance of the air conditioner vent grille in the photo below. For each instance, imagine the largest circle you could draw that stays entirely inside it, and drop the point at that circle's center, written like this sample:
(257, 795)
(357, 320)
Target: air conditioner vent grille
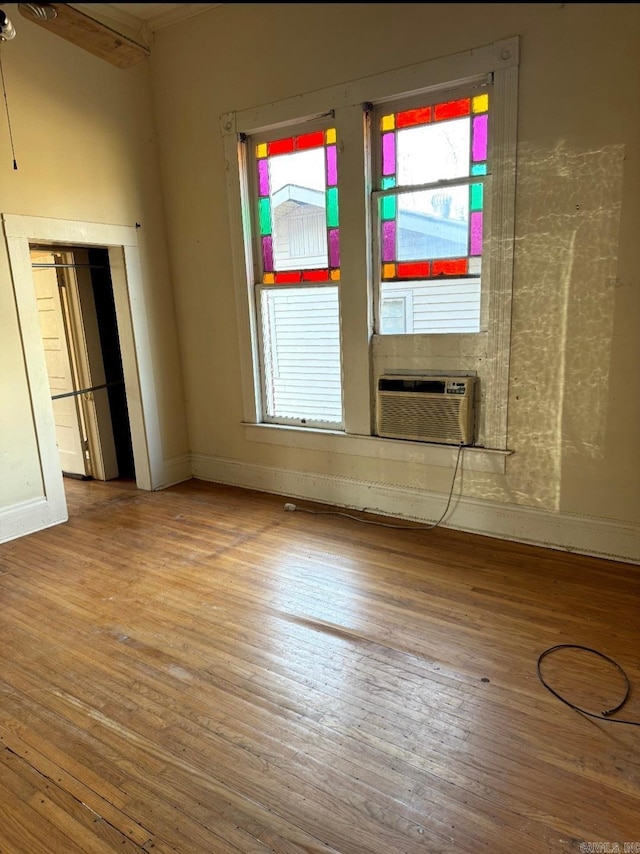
(445, 416)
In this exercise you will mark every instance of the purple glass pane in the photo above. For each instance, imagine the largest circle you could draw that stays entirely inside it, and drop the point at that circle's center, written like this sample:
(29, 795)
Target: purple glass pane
(388, 154)
(479, 147)
(389, 240)
(334, 247)
(332, 166)
(267, 254)
(263, 177)
(476, 233)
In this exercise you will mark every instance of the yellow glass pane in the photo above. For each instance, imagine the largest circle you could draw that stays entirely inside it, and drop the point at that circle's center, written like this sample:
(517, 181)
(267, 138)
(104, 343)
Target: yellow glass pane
(268, 279)
(261, 150)
(481, 103)
(335, 275)
(387, 122)
(330, 135)
(388, 271)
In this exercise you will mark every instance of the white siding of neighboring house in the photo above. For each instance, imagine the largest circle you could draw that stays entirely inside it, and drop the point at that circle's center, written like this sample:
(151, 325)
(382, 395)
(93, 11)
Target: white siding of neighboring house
(302, 353)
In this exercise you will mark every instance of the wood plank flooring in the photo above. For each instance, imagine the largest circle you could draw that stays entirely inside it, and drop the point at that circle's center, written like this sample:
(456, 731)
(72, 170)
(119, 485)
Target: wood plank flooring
(199, 671)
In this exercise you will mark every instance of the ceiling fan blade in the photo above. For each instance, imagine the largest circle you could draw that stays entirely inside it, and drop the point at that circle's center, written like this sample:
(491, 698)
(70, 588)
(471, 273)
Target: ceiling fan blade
(85, 32)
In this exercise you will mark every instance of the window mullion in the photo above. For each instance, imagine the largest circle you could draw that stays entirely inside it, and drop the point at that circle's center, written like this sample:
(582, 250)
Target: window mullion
(356, 320)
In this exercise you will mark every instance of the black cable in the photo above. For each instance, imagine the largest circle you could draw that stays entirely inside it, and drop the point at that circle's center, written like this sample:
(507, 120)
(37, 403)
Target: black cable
(606, 714)
(6, 104)
(385, 524)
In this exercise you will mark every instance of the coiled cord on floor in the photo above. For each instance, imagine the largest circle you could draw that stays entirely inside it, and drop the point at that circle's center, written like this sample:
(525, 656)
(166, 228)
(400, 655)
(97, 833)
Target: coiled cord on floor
(606, 714)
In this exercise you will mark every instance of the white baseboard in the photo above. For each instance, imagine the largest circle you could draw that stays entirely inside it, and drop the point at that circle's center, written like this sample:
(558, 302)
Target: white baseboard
(567, 532)
(175, 470)
(29, 517)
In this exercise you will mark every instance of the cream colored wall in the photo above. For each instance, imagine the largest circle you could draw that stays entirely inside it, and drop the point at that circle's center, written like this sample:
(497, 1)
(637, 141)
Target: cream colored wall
(86, 151)
(574, 401)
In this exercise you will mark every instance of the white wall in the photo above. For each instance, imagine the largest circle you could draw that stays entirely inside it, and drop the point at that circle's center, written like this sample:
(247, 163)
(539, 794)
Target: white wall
(86, 151)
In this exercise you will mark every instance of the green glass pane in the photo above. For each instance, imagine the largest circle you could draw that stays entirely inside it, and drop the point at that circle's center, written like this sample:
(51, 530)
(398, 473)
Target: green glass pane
(476, 197)
(479, 169)
(388, 207)
(332, 207)
(387, 183)
(264, 211)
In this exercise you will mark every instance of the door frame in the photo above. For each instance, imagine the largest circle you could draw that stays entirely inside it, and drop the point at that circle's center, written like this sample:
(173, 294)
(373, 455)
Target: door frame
(131, 316)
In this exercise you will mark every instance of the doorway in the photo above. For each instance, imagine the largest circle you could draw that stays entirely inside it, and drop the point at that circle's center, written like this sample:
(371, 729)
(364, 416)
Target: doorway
(78, 324)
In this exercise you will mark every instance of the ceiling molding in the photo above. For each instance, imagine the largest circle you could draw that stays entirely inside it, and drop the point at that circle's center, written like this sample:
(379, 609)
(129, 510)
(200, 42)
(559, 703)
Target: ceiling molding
(142, 18)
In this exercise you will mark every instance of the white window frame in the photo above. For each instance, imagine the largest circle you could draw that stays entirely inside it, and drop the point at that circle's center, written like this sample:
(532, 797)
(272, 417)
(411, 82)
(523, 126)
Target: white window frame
(345, 103)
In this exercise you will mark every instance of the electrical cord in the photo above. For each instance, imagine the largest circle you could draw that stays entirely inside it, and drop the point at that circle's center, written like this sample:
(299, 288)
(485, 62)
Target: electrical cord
(293, 507)
(606, 714)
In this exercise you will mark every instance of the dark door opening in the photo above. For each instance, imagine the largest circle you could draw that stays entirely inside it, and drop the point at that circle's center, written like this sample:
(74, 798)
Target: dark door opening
(112, 358)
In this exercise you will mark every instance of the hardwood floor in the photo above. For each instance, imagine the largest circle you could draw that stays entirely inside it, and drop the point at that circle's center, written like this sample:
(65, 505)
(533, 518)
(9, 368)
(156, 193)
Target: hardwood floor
(197, 670)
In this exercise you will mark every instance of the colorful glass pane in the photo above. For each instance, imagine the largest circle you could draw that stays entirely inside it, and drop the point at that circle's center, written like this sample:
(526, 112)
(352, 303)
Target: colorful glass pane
(434, 231)
(332, 165)
(264, 211)
(332, 207)
(334, 247)
(480, 103)
(315, 275)
(475, 203)
(388, 207)
(280, 146)
(408, 118)
(414, 270)
(298, 213)
(389, 241)
(309, 140)
(475, 241)
(480, 130)
(267, 254)
(388, 154)
(457, 267)
(288, 278)
(452, 109)
(263, 177)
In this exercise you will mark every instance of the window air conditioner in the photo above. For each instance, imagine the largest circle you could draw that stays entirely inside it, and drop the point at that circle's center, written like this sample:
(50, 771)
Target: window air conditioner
(426, 408)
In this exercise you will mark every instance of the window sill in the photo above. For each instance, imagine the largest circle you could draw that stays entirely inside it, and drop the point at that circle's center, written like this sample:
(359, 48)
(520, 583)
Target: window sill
(306, 439)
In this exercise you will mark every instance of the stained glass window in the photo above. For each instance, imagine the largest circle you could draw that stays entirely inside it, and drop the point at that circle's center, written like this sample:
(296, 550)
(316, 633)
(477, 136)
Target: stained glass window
(435, 231)
(298, 214)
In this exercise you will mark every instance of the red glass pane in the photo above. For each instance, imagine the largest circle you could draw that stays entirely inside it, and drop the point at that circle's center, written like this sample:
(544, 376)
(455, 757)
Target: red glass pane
(315, 275)
(453, 109)
(456, 267)
(281, 146)
(310, 140)
(413, 117)
(414, 270)
(290, 278)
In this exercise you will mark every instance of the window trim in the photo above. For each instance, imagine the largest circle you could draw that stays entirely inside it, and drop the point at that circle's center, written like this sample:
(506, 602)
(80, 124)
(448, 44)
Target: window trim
(500, 59)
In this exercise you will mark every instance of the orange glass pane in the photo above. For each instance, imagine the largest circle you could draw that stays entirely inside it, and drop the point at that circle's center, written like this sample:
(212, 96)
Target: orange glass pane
(268, 279)
(310, 140)
(413, 270)
(453, 109)
(288, 278)
(315, 275)
(408, 118)
(281, 146)
(335, 275)
(388, 271)
(455, 267)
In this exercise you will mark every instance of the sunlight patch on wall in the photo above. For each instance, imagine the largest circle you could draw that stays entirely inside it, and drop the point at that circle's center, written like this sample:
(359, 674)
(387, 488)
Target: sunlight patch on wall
(567, 227)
